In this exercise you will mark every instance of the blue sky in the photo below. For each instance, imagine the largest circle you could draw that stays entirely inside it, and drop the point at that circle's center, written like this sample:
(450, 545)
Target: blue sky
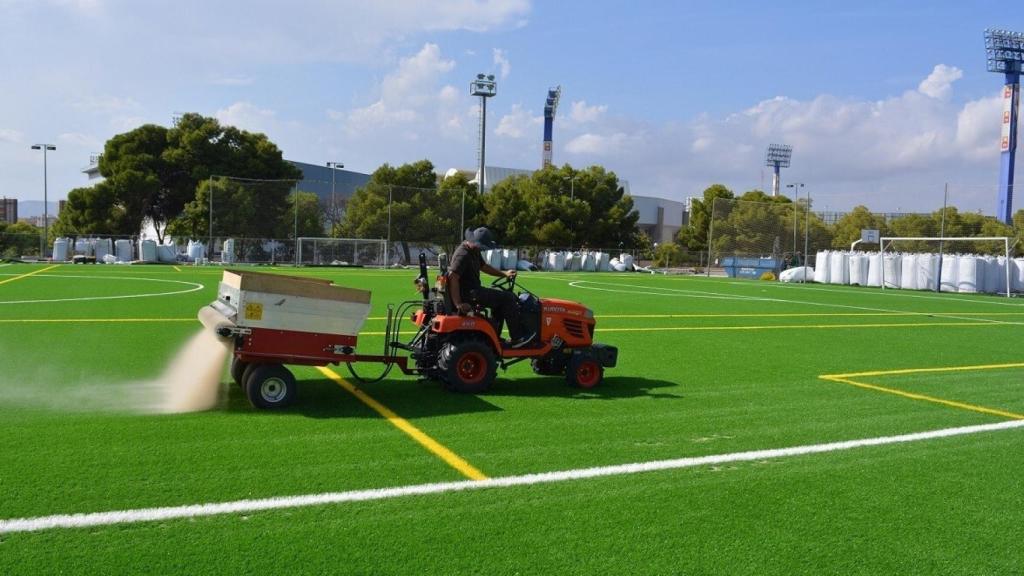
(884, 102)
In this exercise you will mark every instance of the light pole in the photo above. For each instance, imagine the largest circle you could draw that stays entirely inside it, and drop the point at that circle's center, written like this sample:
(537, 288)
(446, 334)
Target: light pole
(572, 186)
(485, 87)
(334, 166)
(796, 186)
(46, 203)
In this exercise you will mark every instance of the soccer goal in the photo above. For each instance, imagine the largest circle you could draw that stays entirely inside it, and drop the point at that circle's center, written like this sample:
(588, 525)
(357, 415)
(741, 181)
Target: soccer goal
(968, 264)
(342, 252)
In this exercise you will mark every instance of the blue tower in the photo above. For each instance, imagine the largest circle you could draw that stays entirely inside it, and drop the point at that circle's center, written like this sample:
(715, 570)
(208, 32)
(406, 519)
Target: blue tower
(778, 156)
(550, 105)
(1004, 53)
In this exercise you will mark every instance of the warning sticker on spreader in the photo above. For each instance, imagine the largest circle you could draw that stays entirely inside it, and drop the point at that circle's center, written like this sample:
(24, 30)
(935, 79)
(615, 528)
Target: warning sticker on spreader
(254, 311)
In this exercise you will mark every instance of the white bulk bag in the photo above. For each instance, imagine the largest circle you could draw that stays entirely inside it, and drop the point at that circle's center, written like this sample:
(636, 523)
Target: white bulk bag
(1017, 279)
(874, 269)
(927, 271)
(798, 274)
(587, 262)
(603, 263)
(967, 273)
(948, 273)
(617, 265)
(892, 266)
(627, 261)
(908, 272)
(821, 267)
(858, 269)
(839, 268)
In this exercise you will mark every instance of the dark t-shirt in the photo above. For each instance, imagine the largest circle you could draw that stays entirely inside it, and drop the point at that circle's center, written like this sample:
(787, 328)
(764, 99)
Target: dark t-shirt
(466, 263)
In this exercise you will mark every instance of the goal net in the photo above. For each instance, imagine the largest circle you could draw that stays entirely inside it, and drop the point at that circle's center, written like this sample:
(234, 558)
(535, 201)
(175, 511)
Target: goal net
(968, 264)
(342, 252)
(766, 235)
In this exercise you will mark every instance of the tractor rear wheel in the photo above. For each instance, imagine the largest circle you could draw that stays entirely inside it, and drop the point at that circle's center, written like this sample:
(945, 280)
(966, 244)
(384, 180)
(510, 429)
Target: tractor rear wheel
(238, 370)
(468, 365)
(270, 386)
(584, 371)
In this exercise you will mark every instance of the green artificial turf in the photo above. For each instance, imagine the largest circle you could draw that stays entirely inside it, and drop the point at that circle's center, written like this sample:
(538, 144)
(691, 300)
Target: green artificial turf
(706, 366)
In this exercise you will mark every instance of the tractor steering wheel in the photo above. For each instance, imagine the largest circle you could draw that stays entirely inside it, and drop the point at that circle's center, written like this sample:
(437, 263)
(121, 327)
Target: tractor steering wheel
(506, 283)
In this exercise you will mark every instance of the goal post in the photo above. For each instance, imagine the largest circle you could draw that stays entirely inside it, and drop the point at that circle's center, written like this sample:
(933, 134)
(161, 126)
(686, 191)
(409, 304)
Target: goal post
(316, 251)
(916, 243)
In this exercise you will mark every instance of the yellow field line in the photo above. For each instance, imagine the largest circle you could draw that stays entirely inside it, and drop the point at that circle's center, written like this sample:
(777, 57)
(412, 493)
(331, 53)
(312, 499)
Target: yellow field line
(435, 447)
(793, 327)
(176, 268)
(914, 396)
(68, 320)
(923, 370)
(776, 327)
(29, 274)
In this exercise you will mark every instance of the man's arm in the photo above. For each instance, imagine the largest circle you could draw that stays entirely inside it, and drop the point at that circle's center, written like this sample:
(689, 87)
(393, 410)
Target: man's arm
(455, 292)
(485, 267)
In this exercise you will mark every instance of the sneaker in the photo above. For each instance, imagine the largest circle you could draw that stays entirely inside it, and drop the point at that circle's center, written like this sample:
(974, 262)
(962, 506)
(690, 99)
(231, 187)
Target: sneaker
(520, 342)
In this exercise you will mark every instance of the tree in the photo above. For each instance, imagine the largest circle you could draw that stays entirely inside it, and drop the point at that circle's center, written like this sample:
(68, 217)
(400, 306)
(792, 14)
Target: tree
(18, 239)
(694, 237)
(847, 229)
(93, 210)
(562, 207)
(243, 209)
(153, 172)
(310, 218)
(408, 194)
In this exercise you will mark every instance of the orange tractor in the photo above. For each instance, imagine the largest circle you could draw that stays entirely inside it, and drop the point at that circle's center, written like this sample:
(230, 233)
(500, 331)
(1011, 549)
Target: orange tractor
(272, 320)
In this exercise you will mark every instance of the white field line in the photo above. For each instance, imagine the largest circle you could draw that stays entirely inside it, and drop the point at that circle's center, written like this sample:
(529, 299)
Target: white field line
(635, 289)
(246, 506)
(193, 287)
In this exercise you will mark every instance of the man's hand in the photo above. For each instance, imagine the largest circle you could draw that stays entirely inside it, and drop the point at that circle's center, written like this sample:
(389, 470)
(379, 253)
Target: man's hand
(464, 308)
(510, 273)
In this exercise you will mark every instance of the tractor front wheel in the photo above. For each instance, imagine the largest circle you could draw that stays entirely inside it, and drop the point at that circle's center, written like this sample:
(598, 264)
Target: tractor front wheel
(584, 371)
(269, 386)
(468, 366)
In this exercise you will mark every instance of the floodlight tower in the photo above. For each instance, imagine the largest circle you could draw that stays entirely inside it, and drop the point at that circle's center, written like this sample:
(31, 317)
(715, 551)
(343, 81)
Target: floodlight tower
(778, 157)
(484, 87)
(550, 106)
(1004, 52)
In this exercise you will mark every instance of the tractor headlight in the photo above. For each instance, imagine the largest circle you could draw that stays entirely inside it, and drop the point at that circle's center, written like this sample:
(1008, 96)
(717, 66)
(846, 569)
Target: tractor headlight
(588, 313)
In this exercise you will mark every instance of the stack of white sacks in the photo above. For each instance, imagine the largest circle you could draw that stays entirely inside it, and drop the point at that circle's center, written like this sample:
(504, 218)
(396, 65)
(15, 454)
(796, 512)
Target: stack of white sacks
(561, 261)
(966, 273)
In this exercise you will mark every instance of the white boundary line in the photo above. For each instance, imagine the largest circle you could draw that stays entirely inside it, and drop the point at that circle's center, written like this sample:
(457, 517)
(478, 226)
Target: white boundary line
(741, 297)
(36, 524)
(195, 286)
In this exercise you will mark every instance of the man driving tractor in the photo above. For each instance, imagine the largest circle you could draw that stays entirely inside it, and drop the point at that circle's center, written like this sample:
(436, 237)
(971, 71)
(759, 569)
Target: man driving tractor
(465, 289)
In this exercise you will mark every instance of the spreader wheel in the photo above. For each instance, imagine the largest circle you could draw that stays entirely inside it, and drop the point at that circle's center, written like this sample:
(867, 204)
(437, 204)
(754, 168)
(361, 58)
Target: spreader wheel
(467, 365)
(238, 370)
(584, 371)
(269, 386)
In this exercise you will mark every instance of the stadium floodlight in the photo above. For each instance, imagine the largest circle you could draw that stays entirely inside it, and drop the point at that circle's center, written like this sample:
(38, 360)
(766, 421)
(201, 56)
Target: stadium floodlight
(778, 156)
(485, 87)
(1004, 51)
(550, 107)
(46, 204)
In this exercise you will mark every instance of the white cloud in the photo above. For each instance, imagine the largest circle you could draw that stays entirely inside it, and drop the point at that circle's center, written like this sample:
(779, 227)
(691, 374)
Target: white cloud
(601, 145)
(79, 140)
(519, 123)
(406, 93)
(11, 136)
(106, 104)
(939, 83)
(247, 116)
(581, 113)
(501, 61)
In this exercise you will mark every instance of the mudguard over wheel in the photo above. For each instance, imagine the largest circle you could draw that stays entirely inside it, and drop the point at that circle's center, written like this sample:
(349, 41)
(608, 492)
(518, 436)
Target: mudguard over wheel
(238, 370)
(467, 365)
(584, 371)
(269, 386)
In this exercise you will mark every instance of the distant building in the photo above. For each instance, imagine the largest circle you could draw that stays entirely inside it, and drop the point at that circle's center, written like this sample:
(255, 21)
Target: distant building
(660, 218)
(9, 210)
(317, 179)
